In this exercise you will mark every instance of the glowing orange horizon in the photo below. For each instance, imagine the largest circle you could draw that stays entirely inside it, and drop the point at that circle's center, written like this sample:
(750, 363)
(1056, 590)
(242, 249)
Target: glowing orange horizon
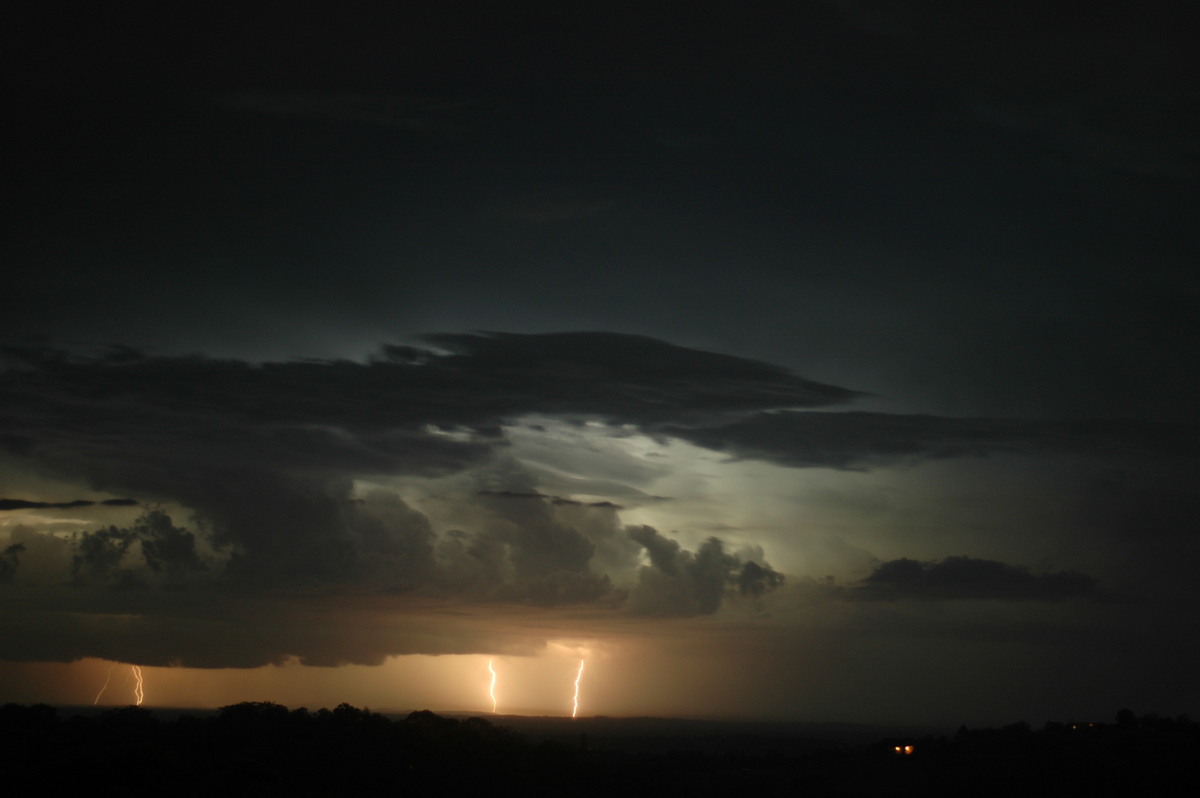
(492, 686)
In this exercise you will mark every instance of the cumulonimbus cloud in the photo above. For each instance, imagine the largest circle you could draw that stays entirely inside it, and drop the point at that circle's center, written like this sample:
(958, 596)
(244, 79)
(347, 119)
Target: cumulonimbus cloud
(266, 456)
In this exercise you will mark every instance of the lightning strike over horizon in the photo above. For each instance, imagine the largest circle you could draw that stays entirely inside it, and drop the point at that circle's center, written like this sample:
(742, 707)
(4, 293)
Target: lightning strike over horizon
(107, 679)
(578, 677)
(138, 694)
(492, 686)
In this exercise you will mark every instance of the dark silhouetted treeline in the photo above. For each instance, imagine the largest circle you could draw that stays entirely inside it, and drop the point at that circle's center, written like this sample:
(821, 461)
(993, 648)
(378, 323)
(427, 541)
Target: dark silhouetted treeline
(267, 749)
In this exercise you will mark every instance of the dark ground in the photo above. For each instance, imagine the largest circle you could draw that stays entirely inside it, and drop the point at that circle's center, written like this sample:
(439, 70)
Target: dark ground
(268, 748)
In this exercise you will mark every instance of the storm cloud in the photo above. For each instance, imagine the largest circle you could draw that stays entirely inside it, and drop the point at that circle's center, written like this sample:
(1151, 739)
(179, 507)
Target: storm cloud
(858, 440)
(680, 582)
(856, 286)
(24, 504)
(264, 459)
(9, 560)
(970, 578)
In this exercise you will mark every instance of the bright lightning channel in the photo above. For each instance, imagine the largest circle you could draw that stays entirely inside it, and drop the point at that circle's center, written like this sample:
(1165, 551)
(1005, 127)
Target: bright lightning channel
(107, 679)
(578, 676)
(492, 686)
(137, 688)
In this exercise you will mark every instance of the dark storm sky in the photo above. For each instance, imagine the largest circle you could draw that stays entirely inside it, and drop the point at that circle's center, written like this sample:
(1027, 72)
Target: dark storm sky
(973, 226)
(908, 198)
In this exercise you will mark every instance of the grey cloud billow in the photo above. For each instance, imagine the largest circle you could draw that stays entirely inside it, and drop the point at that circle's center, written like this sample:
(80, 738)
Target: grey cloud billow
(533, 549)
(172, 605)
(265, 454)
(9, 560)
(680, 582)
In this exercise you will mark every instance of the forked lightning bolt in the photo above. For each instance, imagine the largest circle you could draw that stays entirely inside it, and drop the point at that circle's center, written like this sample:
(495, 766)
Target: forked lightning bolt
(492, 686)
(107, 679)
(578, 676)
(137, 688)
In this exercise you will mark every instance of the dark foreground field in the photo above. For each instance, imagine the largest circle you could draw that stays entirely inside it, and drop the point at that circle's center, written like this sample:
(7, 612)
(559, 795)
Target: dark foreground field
(267, 749)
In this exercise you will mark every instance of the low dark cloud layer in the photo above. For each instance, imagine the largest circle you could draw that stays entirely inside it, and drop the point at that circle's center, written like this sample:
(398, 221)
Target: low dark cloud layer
(400, 413)
(970, 578)
(24, 504)
(855, 440)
